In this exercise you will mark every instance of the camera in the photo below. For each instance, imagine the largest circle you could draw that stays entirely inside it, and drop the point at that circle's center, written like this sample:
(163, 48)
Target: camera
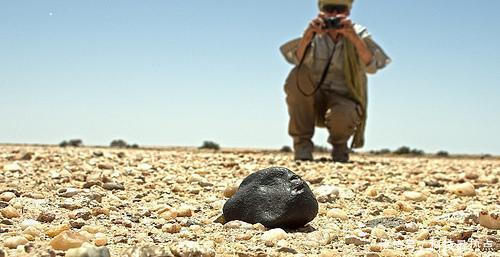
(332, 23)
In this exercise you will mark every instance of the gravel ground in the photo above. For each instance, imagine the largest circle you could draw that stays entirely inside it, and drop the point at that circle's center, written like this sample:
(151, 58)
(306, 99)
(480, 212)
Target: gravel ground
(56, 198)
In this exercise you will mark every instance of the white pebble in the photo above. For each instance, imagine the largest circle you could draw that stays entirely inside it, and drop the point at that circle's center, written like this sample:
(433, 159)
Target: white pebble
(274, 235)
(13, 242)
(337, 214)
(465, 189)
(7, 196)
(414, 196)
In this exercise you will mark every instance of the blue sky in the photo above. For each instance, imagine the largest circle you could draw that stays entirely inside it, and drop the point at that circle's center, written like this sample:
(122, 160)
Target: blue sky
(180, 72)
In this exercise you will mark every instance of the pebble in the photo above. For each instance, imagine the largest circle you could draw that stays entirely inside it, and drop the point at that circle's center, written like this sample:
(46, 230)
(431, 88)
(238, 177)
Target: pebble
(100, 239)
(423, 235)
(489, 220)
(460, 235)
(337, 214)
(356, 240)
(191, 249)
(390, 212)
(326, 193)
(68, 192)
(171, 228)
(465, 189)
(230, 190)
(105, 166)
(10, 212)
(472, 175)
(238, 224)
(113, 186)
(88, 250)
(414, 196)
(147, 251)
(273, 235)
(56, 230)
(391, 253)
(185, 211)
(379, 232)
(329, 253)
(405, 206)
(32, 231)
(426, 253)
(12, 167)
(93, 229)
(46, 217)
(67, 240)
(30, 223)
(14, 242)
(371, 192)
(7, 196)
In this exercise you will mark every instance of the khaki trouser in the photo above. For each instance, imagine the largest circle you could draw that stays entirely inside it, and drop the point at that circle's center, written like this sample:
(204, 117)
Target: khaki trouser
(339, 114)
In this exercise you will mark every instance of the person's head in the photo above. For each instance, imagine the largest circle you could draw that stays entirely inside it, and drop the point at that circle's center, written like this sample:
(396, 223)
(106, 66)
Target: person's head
(335, 7)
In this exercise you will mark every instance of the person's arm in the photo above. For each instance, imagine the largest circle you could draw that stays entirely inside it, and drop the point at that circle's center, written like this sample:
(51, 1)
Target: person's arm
(315, 27)
(362, 48)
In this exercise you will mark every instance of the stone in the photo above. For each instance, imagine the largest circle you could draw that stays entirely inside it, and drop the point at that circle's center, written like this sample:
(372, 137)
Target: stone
(337, 214)
(100, 239)
(464, 189)
(88, 250)
(171, 228)
(489, 220)
(56, 230)
(457, 236)
(230, 190)
(67, 192)
(238, 224)
(274, 197)
(7, 196)
(274, 235)
(423, 235)
(67, 240)
(356, 240)
(388, 222)
(391, 253)
(414, 196)
(148, 251)
(105, 166)
(379, 232)
(12, 167)
(46, 217)
(472, 175)
(185, 211)
(426, 253)
(409, 227)
(191, 249)
(30, 223)
(113, 186)
(10, 212)
(14, 242)
(327, 193)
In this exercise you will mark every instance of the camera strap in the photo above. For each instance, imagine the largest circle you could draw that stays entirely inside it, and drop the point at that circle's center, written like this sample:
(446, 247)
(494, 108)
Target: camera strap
(323, 75)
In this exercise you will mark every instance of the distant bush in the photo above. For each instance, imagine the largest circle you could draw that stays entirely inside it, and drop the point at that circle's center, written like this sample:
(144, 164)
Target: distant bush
(417, 152)
(442, 154)
(118, 143)
(286, 149)
(75, 142)
(135, 146)
(210, 145)
(321, 149)
(72, 142)
(381, 151)
(403, 150)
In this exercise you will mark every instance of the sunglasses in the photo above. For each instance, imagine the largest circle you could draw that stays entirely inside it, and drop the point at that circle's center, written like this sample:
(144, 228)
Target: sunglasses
(338, 8)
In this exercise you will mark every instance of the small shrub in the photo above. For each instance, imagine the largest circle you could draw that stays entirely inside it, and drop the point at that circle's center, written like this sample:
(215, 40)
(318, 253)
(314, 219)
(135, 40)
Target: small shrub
(118, 143)
(442, 154)
(286, 149)
(134, 146)
(72, 142)
(381, 151)
(63, 143)
(210, 145)
(417, 152)
(403, 150)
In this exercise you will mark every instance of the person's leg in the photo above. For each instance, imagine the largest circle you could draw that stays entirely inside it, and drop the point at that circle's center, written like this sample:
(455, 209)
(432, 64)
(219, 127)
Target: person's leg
(342, 117)
(301, 110)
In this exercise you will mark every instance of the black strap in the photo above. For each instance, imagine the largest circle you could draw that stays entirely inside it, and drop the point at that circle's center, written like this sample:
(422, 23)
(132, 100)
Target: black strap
(323, 76)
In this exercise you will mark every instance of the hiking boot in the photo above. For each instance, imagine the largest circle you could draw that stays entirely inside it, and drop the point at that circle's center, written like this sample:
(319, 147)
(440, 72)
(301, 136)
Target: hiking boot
(340, 153)
(303, 155)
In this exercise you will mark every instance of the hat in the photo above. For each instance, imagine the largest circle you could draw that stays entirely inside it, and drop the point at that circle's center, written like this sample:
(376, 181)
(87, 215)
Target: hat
(322, 3)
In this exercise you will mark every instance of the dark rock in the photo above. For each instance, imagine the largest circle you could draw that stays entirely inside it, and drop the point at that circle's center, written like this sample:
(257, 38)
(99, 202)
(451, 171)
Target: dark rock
(384, 199)
(46, 217)
(433, 183)
(113, 186)
(389, 222)
(274, 197)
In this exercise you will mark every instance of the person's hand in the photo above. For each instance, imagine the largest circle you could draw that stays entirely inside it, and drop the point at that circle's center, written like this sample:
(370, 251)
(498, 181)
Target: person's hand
(347, 29)
(316, 26)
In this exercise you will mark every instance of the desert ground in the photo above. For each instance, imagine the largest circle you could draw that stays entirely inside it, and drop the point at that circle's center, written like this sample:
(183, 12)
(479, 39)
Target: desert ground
(167, 202)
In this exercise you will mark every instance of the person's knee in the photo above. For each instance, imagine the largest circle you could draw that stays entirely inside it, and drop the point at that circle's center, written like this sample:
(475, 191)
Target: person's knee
(342, 121)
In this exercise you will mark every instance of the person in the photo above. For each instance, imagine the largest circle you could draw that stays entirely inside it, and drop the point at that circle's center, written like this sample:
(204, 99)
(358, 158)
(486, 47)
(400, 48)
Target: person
(328, 85)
